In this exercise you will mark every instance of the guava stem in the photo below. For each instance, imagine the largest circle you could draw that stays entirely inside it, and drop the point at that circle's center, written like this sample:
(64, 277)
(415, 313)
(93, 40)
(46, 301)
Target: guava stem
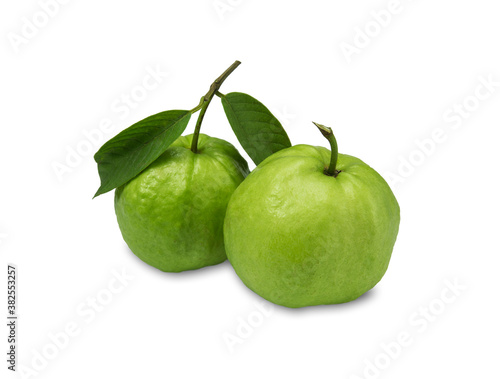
(328, 134)
(194, 143)
(205, 102)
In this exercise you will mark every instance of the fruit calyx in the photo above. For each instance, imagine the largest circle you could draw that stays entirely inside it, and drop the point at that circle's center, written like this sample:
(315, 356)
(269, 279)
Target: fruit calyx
(328, 134)
(205, 102)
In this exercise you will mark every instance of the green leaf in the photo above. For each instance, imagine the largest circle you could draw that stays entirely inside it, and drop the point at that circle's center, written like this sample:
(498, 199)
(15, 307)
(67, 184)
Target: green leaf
(124, 156)
(259, 132)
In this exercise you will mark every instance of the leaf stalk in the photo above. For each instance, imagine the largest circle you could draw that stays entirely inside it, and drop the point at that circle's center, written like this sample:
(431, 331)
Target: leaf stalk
(205, 102)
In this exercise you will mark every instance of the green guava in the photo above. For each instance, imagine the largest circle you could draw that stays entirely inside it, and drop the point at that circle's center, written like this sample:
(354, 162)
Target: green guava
(171, 215)
(298, 236)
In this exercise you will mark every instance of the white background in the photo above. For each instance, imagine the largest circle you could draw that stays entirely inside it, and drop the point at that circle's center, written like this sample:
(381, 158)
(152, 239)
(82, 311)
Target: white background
(62, 80)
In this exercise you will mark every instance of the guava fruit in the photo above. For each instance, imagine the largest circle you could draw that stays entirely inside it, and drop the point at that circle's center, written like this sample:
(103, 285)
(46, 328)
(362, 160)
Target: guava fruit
(171, 214)
(300, 232)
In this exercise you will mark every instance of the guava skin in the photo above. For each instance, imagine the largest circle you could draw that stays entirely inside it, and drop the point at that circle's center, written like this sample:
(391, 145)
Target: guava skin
(298, 237)
(171, 215)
